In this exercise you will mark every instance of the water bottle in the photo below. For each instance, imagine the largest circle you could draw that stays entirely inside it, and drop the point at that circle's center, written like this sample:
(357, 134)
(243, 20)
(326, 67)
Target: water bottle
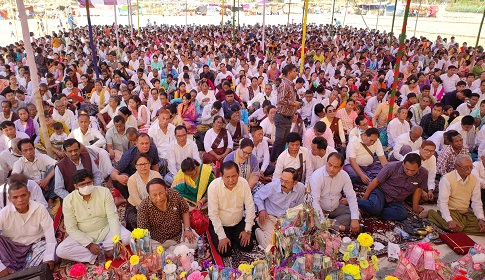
(101, 257)
(404, 235)
(200, 248)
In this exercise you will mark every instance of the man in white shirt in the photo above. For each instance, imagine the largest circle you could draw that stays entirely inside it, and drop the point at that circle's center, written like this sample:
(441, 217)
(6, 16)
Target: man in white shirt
(62, 114)
(229, 198)
(309, 103)
(178, 151)
(327, 184)
(7, 158)
(450, 79)
(8, 134)
(116, 140)
(456, 190)
(37, 167)
(397, 126)
(208, 114)
(27, 232)
(90, 217)
(479, 171)
(86, 135)
(34, 189)
(361, 125)
(406, 143)
(205, 96)
(261, 151)
(262, 96)
(372, 103)
(320, 152)
(360, 164)
(469, 105)
(428, 161)
(466, 127)
(163, 134)
(222, 74)
(296, 157)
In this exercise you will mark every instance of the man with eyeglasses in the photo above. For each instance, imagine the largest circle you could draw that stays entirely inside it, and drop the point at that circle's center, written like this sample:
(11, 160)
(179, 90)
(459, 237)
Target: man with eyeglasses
(272, 201)
(327, 184)
(456, 190)
(397, 181)
(178, 151)
(90, 217)
(428, 160)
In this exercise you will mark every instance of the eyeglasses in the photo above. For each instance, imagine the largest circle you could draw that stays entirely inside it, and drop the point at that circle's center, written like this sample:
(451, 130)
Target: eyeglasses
(429, 151)
(87, 183)
(142, 164)
(246, 153)
(466, 168)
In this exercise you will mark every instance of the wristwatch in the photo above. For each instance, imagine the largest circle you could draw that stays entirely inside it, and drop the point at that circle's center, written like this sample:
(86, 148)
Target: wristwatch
(248, 232)
(187, 228)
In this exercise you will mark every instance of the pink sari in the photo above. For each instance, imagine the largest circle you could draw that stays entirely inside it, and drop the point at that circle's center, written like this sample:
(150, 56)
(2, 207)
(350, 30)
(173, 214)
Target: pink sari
(189, 116)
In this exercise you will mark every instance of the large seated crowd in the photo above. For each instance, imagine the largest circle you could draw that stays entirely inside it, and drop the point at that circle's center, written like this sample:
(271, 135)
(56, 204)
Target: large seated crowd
(180, 118)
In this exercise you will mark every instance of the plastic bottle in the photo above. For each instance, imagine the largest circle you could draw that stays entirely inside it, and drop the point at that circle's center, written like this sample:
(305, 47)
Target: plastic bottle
(402, 233)
(101, 257)
(200, 248)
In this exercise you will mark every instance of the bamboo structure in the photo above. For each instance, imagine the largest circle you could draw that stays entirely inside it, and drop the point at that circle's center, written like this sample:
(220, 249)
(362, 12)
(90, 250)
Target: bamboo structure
(91, 40)
(33, 71)
(392, 26)
(480, 29)
(392, 97)
(303, 37)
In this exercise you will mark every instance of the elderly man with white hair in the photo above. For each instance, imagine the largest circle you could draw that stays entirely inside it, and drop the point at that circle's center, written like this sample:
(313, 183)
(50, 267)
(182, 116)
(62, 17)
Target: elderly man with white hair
(456, 189)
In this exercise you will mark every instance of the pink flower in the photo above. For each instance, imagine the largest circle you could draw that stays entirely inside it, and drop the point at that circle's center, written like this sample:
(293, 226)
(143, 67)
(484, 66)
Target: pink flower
(196, 275)
(78, 270)
(99, 270)
(425, 246)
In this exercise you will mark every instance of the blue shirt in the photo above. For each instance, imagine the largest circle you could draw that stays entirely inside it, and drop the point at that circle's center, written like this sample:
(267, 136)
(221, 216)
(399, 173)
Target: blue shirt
(125, 164)
(275, 201)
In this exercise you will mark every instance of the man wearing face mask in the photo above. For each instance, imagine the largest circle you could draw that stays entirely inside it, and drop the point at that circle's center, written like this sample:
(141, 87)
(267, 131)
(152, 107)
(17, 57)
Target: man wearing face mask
(361, 126)
(91, 218)
(378, 84)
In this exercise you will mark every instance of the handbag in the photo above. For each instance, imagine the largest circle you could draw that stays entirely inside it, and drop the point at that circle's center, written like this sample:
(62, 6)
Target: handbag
(199, 221)
(40, 272)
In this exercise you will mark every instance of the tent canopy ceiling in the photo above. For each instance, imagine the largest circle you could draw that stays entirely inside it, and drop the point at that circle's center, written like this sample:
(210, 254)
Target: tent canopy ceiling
(102, 2)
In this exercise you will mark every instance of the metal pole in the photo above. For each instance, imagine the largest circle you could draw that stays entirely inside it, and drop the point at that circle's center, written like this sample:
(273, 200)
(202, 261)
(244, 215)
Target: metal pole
(417, 16)
(378, 12)
(138, 15)
(399, 55)
(239, 7)
(264, 25)
(392, 26)
(186, 13)
(303, 37)
(223, 11)
(116, 30)
(289, 11)
(33, 71)
(343, 24)
(331, 18)
(129, 15)
(480, 29)
(91, 40)
(233, 20)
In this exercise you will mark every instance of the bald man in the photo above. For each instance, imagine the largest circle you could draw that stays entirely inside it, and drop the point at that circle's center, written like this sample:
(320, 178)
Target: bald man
(406, 143)
(457, 188)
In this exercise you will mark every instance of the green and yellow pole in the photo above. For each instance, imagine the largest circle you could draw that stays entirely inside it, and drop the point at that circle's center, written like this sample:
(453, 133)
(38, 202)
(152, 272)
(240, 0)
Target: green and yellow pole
(392, 26)
(392, 97)
(480, 29)
(303, 37)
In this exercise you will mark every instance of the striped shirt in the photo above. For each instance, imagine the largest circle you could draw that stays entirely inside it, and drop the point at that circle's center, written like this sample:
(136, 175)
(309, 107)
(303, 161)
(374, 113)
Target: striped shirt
(286, 95)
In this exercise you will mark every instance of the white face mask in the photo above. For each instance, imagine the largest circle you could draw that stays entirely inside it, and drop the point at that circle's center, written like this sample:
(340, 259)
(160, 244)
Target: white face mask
(86, 190)
(69, 88)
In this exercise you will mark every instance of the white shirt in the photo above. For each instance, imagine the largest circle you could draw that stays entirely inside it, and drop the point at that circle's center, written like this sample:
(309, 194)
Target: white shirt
(396, 128)
(261, 151)
(68, 118)
(444, 196)
(226, 207)
(201, 96)
(38, 225)
(21, 128)
(430, 165)
(96, 98)
(402, 140)
(176, 154)
(327, 191)
(7, 159)
(319, 161)
(35, 194)
(418, 113)
(285, 160)
(162, 140)
(359, 153)
(261, 97)
(468, 136)
(464, 110)
(211, 135)
(243, 92)
(479, 171)
(5, 142)
(88, 138)
(371, 106)
(307, 108)
(207, 117)
(269, 129)
(35, 170)
(438, 139)
(449, 83)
